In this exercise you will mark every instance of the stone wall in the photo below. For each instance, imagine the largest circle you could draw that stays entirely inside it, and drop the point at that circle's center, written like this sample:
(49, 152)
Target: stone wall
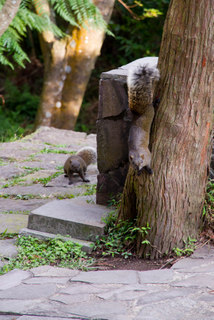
(113, 124)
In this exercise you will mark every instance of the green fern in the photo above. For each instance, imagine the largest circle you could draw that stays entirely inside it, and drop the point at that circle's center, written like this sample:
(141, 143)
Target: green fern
(75, 12)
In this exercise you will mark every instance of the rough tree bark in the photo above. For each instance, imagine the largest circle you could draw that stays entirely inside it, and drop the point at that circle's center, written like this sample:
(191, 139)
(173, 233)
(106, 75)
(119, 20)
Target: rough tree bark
(7, 13)
(67, 75)
(171, 200)
(53, 51)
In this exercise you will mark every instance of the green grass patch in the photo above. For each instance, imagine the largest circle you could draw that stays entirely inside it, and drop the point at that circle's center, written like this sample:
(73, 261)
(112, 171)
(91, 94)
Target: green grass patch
(33, 252)
(48, 150)
(65, 196)
(90, 189)
(23, 196)
(19, 178)
(45, 180)
(25, 212)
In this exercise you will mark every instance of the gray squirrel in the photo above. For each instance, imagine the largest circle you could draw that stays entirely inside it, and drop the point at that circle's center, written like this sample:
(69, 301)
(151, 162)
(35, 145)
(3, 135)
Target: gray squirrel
(78, 163)
(140, 81)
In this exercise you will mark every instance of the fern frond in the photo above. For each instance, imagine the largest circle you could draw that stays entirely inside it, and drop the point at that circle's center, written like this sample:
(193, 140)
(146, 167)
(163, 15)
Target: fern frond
(64, 10)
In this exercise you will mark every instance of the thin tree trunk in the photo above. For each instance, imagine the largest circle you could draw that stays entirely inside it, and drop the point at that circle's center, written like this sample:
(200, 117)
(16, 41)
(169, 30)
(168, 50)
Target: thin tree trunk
(171, 200)
(7, 13)
(68, 66)
(82, 50)
(54, 51)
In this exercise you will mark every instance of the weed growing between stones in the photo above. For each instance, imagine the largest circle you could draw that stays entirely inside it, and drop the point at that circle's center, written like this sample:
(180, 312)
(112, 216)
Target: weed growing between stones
(189, 248)
(90, 189)
(23, 196)
(33, 252)
(26, 212)
(16, 180)
(65, 196)
(7, 235)
(120, 237)
(48, 150)
(44, 181)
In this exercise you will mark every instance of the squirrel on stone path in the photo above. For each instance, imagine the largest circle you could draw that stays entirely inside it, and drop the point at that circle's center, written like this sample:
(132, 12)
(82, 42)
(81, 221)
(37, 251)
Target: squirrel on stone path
(140, 82)
(78, 163)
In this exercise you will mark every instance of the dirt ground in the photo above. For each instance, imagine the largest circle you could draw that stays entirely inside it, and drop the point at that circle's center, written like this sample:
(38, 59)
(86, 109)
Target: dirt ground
(131, 263)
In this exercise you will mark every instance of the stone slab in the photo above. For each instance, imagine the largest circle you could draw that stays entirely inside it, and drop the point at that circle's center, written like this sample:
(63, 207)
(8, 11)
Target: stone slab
(9, 306)
(43, 280)
(8, 248)
(49, 271)
(196, 281)
(87, 246)
(158, 276)
(205, 252)
(13, 279)
(29, 291)
(41, 318)
(10, 205)
(194, 265)
(74, 217)
(102, 310)
(182, 308)
(108, 277)
(13, 223)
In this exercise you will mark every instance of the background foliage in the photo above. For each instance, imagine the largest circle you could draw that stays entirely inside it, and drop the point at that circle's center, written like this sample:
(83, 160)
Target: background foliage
(136, 34)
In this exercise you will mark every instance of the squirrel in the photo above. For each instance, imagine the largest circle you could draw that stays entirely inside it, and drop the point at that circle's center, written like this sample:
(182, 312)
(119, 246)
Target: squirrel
(140, 82)
(78, 163)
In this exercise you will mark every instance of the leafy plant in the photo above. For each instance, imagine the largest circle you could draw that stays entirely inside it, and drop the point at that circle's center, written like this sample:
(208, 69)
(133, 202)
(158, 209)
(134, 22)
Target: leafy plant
(7, 235)
(18, 112)
(189, 247)
(75, 12)
(33, 252)
(90, 189)
(120, 237)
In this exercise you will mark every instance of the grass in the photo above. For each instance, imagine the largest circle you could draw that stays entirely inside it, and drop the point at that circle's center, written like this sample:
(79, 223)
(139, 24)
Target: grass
(25, 212)
(19, 178)
(48, 150)
(23, 196)
(90, 190)
(46, 180)
(33, 252)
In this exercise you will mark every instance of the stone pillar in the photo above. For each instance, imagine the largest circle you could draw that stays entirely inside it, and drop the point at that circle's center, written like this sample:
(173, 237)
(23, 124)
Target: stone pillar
(113, 124)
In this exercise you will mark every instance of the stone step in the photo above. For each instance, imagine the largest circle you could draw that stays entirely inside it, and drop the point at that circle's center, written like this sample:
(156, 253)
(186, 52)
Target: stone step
(73, 217)
(87, 246)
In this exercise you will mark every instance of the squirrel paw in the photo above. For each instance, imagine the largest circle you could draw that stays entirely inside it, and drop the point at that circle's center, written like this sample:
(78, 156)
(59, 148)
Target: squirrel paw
(147, 169)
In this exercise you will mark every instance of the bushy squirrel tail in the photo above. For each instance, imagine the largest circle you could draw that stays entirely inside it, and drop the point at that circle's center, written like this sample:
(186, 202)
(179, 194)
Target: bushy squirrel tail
(140, 87)
(88, 154)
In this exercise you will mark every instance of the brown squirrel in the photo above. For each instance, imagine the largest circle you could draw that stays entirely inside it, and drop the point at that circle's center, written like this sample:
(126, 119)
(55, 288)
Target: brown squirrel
(78, 163)
(140, 95)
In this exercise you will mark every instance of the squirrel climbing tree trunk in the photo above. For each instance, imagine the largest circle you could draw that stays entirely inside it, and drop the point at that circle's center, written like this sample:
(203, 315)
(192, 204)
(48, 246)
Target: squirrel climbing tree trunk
(170, 201)
(68, 66)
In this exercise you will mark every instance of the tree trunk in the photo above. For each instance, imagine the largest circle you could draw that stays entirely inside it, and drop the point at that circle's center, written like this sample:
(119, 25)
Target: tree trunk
(53, 51)
(66, 82)
(171, 200)
(7, 13)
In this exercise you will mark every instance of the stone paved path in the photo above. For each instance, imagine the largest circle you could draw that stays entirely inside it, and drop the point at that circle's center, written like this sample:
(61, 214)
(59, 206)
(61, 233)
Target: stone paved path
(184, 292)
(38, 156)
